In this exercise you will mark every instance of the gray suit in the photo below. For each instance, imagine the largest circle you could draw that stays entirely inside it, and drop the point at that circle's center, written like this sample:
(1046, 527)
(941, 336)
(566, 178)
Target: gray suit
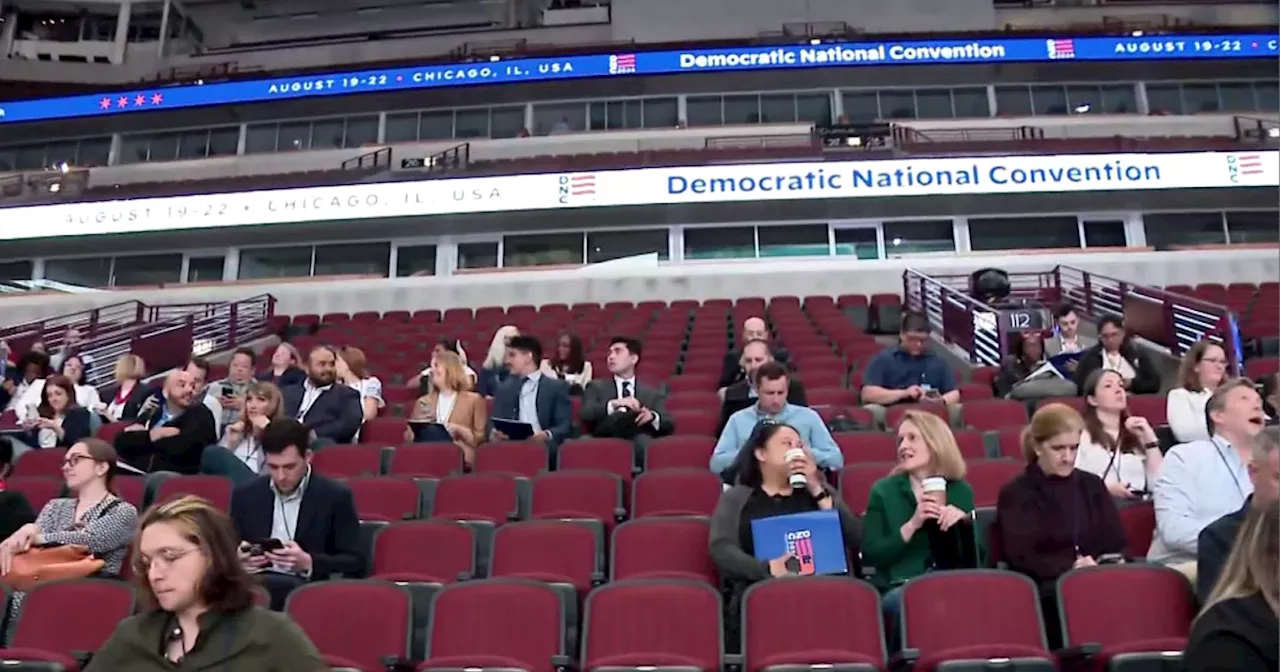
(598, 394)
(1053, 345)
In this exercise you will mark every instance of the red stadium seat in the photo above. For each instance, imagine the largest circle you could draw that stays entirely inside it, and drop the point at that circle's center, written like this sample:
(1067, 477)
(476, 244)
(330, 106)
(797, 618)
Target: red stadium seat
(426, 460)
(856, 481)
(526, 458)
(972, 445)
(589, 494)
(347, 461)
(385, 498)
(216, 489)
(385, 431)
(675, 492)
(986, 477)
(614, 456)
(494, 498)
(548, 550)
(495, 624)
(993, 414)
(679, 451)
(1139, 521)
(398, 552)
(354, 623)
(863, 447)
(61, 617)
(1137, 612)
(691, 634)
(37, 489)
(45, 462)
(662, 548)
(846, 635)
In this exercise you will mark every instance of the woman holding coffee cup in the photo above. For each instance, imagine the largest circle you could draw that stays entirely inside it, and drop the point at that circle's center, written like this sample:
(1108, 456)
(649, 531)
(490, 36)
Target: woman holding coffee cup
(1055, 517)
(776, 476)
(925, 496)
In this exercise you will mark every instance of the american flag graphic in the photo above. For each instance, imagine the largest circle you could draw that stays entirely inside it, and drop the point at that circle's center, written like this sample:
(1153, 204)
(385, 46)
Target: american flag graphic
(1250, 164)
(1061, 49)
(582, 185)
(802, 549)
(622, 64)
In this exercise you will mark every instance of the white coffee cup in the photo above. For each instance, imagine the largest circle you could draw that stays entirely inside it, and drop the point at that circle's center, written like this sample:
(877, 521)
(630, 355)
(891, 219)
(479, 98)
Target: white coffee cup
(935, 487)
(797, 479)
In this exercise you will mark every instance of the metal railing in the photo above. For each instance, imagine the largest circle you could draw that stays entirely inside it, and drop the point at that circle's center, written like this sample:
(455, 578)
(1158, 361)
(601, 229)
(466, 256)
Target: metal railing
(962, 320)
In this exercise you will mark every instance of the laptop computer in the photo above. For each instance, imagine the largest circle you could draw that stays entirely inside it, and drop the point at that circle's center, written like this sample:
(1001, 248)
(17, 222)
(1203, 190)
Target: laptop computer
(815, 538)
(429, 432)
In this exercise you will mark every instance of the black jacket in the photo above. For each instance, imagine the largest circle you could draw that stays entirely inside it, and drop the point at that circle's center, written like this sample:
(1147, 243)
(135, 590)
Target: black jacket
(1213, 546)
(181, 453)
(327, 527)
(291, 376)
(1146, 378)
(1235, 635)
(335, 415)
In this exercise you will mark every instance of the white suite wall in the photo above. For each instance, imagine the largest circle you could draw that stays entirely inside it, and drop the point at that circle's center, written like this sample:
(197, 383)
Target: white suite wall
(802, 277)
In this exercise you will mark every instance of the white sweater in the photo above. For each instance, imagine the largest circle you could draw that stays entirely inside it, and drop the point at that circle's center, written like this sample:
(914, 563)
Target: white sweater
(1185, 410)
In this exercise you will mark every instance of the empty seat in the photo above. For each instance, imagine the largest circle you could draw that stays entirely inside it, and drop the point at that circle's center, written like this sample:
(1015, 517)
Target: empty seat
(37, 489)
(859, 447)
(426, 460)
(986, 477)
(641, 623)
(1138, 614)
(383, 431)
(385, 498)
(354, 623)
(993, 414)
(64, 616)
(548, 550)
(662, 548)
(846, 635)
(612, 455)
(974, 615)
(348, 461)
(526, 458)
(594, 495)
(46, 462)
(488, 497)
(216, 489)
(496, 624)
(679, 451)
(398, 552)
(675, 492)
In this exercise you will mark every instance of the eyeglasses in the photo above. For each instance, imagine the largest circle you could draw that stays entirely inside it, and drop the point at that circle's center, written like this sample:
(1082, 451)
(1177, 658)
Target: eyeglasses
(71, 461)
(164, 559)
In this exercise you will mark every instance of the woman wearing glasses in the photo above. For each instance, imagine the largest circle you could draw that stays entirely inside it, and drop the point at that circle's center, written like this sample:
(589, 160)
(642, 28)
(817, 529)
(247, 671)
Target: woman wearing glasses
(1202, 370)
(92, 516)
(198, 609)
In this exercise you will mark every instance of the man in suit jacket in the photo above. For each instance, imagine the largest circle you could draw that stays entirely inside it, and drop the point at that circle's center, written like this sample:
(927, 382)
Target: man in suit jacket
(619, 406)
(1067, 336)
(170, 435)
(753, 329)
(530, 397)
(743, 394)
(313, 517)
(332, 410)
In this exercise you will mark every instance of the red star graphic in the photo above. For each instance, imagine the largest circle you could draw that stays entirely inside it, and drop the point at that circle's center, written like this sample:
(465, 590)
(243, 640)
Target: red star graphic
(122, 102)
(139, 100)
(105, 103)
(156, 99)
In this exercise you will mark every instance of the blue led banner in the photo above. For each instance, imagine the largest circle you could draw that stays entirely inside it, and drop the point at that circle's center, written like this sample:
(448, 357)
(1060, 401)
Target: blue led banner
(833, 54)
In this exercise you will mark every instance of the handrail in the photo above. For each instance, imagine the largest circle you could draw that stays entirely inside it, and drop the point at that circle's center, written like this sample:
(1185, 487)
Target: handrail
(958, 317)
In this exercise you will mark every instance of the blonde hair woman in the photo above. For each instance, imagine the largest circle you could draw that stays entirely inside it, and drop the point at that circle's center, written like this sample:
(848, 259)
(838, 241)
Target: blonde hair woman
(1054, 517)
(1237, 627)
(452, 404)
(353, 370)
(129, 372)
(906, 504)
(198, 611)
(239, 454)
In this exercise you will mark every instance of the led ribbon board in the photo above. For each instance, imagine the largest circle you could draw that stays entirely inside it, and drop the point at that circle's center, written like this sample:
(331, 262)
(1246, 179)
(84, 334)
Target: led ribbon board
(524, 70)
(651, 186)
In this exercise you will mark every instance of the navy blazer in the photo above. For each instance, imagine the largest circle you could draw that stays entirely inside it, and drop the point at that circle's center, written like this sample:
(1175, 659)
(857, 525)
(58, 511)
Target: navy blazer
(291, 376)
(555, 411)
(336, 414)
(75, 426)
(328, 527)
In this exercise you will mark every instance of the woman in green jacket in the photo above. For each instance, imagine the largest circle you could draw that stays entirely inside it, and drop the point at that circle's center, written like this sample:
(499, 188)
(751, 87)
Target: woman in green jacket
(895, 534)
(198, 610)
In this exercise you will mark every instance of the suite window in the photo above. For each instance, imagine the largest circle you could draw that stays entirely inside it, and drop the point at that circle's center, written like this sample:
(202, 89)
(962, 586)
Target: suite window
(553, 118)
(1253, 227)
(897, 104)
(704, 111)
(1020, 233)
(353, 259)
(16, 270)
(727, 242)
(147, 269)
(1013, 101)
(402, 127)
(971, 102)
(861, 106)
(415, 260)
(616, 114)
(918, 237)
(205, 269)
(1194, 228)
(610, 245)
(1049, 100)
(478, 255)
(797, 240)
(1104, 233)
(82, 272)
(275, 262)
(542, 249)
(814, 107)
(857, 242)
(360, 131)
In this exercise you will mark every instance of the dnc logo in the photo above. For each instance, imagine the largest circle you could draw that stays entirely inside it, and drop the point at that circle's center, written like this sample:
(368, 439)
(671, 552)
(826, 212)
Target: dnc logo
(1243, 165)
(800, 547)
(575, 189)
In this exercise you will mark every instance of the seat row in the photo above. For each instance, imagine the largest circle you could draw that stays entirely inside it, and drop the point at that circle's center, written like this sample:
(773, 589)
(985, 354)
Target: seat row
(1131, 616)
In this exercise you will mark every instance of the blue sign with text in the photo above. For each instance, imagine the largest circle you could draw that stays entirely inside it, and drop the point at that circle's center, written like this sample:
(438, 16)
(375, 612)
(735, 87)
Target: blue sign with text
(523, 70)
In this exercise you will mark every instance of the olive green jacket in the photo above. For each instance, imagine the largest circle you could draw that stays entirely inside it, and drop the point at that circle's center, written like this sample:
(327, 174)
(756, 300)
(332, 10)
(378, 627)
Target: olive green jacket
(251, 640)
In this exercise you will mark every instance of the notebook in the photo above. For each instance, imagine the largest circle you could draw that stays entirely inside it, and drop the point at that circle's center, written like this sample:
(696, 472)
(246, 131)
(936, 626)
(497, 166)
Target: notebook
(429, 432)
(815, 538)
(514, 429)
